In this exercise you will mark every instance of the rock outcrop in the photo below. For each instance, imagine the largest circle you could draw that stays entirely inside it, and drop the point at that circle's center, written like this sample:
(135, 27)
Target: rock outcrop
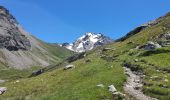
(10, 36)
(151, 45)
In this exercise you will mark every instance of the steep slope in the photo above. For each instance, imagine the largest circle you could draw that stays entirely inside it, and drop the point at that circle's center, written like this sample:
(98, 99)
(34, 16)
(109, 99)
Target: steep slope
(142, 27)
(21, 50)
(104, 65)
(88, 42)
(152, 64)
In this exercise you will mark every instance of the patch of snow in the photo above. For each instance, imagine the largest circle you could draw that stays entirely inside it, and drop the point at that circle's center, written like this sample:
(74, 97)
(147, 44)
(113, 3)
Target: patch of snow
(80, 46)
(94, 38)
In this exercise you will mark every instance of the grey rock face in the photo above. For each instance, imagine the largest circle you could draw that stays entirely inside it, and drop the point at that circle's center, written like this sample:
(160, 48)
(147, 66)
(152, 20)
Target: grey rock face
(10, 36)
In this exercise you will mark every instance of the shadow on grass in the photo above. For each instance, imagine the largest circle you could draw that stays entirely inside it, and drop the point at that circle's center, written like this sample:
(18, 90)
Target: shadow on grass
(153, 52)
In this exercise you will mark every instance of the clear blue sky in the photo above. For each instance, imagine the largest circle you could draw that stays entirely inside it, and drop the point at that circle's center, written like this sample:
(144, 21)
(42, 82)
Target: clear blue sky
(65, 20)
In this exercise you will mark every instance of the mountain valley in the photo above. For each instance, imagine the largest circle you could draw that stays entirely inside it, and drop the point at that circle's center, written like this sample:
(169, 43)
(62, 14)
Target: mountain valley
(134, 67)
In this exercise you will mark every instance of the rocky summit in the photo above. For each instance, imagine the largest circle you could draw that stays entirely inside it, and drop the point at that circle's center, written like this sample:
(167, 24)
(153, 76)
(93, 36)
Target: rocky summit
(87, 42)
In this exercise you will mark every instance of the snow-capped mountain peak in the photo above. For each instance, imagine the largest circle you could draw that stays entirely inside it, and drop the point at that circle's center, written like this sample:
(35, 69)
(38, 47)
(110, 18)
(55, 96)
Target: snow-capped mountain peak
(87, 42)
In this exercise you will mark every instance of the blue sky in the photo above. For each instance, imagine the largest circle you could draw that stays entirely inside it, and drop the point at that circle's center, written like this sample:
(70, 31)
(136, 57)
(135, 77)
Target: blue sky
(65, 20)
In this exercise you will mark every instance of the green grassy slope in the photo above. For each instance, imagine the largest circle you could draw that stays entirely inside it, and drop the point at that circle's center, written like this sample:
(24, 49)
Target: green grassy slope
(80, 83)
(54, 52)
(76, 84)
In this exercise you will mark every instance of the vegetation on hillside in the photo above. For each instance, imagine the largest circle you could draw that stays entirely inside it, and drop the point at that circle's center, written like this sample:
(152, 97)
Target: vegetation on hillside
(103, 67)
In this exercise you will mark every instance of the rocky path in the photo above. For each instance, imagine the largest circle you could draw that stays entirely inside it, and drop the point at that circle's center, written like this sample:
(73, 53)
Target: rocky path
(133, 86)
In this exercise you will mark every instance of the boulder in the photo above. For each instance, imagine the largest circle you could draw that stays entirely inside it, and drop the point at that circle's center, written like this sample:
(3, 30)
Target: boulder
(137, 87)
(166, 80)
(17, 81)
(112, 88)
(137, 80)
(136, 60)
(37, 72)
(118, 96)
(100, 85)
(167, 36)
(2, 81)
(151, 46)
(69, 67)
(2, 90)
(137, 47)
(107, 49)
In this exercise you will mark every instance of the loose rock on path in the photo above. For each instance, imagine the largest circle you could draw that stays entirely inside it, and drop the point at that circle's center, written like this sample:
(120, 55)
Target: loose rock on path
(133, 86)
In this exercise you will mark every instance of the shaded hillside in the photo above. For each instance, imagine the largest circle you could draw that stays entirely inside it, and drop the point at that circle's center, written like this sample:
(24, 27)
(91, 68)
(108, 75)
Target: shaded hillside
(21, 50)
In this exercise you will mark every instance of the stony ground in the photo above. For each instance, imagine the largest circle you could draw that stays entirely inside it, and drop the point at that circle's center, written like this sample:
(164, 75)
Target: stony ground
(133, 85)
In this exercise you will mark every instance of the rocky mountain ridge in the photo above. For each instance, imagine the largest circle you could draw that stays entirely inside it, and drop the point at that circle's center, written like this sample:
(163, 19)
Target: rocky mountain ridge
(87, 42)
